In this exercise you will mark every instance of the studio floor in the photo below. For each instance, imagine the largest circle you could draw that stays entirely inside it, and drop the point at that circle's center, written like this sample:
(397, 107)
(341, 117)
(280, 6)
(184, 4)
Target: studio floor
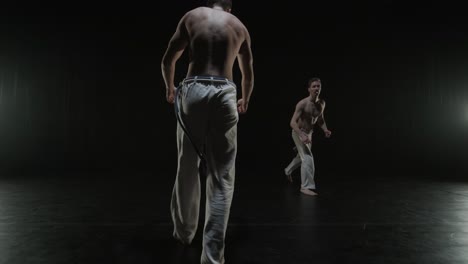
(104, 218)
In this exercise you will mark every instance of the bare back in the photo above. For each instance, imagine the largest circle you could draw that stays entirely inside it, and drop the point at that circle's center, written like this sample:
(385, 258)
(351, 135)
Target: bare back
(215, 38)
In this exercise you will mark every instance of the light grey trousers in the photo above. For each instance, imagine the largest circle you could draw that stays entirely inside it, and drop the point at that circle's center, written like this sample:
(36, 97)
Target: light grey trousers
(209, 112)
(305, 160)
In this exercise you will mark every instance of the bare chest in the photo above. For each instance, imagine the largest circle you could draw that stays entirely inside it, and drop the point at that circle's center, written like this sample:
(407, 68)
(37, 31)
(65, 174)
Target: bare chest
(311, 112)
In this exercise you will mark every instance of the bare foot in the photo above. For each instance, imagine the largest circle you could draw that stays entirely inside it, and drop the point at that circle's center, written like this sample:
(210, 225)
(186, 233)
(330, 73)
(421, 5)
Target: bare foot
(308, 192)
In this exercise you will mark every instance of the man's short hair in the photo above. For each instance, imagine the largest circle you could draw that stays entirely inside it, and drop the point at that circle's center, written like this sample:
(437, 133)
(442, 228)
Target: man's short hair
(314, 79)
(225, 4)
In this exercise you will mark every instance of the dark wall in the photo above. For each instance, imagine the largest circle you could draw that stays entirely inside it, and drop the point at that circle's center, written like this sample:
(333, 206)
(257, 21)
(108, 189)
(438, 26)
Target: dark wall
(81, 88)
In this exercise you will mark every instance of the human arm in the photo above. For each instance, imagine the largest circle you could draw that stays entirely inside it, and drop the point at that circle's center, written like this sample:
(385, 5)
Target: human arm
(174, 50)
(245, 59)
(295, 125)
(321, 122)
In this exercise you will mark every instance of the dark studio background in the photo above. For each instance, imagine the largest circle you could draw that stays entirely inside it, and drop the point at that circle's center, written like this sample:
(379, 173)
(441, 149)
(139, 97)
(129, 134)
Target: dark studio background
(81, 87)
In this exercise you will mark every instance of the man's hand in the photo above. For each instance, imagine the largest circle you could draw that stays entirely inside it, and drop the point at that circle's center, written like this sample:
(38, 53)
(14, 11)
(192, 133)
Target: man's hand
(170, 94)
(242, 106)
(306, 139)
(327, 133)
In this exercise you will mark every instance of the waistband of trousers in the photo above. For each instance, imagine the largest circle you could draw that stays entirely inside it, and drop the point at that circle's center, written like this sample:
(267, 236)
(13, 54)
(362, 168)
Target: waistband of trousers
(208, 79)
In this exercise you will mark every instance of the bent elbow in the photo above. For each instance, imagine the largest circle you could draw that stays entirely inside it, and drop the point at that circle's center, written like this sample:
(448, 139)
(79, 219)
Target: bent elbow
(165, 63)
(292, 124)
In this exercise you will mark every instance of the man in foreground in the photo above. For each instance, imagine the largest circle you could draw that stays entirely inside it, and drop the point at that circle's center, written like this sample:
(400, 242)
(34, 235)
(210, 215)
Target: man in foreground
(208, 115)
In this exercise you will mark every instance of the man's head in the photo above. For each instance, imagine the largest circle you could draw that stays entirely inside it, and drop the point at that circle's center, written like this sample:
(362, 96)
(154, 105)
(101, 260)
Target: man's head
(226, 5)
(315, 85)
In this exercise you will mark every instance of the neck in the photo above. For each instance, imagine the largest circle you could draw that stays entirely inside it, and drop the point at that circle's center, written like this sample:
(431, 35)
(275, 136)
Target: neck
(217, 7)
(313, 98)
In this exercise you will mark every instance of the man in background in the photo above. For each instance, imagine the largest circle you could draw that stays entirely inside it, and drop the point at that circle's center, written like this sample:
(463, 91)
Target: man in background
(308, 113)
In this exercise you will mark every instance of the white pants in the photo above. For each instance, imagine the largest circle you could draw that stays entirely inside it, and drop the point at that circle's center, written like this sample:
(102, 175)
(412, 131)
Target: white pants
(305, 160)
(210, 115)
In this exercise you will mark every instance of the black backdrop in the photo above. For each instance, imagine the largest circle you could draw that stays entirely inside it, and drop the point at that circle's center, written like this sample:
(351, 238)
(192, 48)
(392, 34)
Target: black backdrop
(81, 88)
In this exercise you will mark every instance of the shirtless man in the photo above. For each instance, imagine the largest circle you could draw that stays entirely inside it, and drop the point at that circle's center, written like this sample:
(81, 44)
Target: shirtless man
(309, 112)
(208, 116)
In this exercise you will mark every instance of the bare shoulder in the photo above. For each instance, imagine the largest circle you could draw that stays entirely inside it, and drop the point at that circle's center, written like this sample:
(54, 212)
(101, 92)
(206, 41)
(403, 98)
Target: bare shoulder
(235, 20)
(196, 12)
(322, 103)
(236, 24)
(241, 26)
(206, 11)
(301, 104)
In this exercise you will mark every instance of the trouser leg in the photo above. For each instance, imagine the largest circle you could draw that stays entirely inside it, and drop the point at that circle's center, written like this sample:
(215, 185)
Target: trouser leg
(307, 163)
(295, 163)
(185, 203)
(221, 156)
